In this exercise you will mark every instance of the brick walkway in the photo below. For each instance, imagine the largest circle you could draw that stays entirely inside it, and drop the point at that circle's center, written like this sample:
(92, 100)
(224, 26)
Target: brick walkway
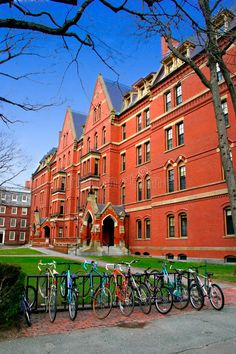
(86, 319)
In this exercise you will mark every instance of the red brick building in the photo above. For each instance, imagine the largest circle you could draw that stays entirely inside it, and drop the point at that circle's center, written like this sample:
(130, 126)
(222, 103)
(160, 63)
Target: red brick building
(142, 171)
(14, 215)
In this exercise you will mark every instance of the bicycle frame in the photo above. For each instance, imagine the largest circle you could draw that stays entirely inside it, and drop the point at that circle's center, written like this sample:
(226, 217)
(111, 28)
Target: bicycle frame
(92, 271)
(116, 272)
(51, 273)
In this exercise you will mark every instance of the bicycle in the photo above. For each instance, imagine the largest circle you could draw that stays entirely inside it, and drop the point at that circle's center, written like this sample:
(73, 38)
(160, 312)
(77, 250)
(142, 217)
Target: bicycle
(207, 289)
(178, 289)
(101, 296)
(124, 294)
(25, 305)
(47, 286)
(161, 296)
(142, 294)
(69, 290)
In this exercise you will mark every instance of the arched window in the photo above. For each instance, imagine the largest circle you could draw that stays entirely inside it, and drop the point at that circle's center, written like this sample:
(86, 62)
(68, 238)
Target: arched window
(169, 256)
(122, 193)
(229, 230)
(182, 257)
(103, 135)
(99, 113)
(138, 229)
(170, 179)
(96, 141)
(147, 226)
(183, 225)
(147, 188)
(88, 145)
(182, 176)
(139, 189)
(171, 226)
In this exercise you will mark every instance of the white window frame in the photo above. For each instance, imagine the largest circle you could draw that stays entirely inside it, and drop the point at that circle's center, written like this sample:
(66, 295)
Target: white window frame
(13, 222)
(14, 197)
(24, 198)
(24, 211)
(2, 209)
(13, 237)
(20, 237)
(3, 222)
(21, 223)
(12, 210)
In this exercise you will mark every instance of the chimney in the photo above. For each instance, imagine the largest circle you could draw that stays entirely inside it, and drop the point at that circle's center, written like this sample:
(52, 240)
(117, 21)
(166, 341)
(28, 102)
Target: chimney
(164, 47)
(28, 184)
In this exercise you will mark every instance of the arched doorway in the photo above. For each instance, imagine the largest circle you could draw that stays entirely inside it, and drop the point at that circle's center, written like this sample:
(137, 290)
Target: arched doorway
(47, 233)
(108, 232)
(89, 227)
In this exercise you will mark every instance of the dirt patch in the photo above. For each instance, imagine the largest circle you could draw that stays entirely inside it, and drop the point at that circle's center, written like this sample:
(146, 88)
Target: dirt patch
(131, 324)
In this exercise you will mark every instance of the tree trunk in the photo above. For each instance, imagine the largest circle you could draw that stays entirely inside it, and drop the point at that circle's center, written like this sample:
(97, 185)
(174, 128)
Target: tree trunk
(223, 142)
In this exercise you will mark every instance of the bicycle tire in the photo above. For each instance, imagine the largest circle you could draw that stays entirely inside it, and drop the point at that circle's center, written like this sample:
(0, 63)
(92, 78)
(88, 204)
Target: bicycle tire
(196, 297)
(143, 295)
(163, 299)
(102, 303)
(112, 286)
(31, 296)
(154, 282)
(216, 297)
(181, 297)
(52, 305)
(126, 300)
(73, 304)
(43, 285)
(27, 314)
(63, 285)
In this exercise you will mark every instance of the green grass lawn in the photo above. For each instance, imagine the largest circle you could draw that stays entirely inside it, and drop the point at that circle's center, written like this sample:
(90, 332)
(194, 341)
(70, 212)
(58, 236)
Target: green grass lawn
(18, 251)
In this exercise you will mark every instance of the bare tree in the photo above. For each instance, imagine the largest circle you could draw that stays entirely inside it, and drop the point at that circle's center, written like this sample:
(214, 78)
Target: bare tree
(12, 160)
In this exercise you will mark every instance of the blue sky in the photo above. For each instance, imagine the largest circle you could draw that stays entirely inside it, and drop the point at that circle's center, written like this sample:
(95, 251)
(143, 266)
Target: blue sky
(132, 57)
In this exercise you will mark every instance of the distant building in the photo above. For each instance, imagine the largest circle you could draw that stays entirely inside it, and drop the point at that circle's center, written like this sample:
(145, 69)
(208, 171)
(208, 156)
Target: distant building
(14, 215)
(142, 171)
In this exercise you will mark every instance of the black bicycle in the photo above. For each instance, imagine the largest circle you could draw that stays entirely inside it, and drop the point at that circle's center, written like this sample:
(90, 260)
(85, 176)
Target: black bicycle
(26, 304)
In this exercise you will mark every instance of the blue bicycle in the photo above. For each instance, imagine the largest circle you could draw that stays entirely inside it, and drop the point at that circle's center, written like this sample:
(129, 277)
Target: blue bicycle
(69, 290)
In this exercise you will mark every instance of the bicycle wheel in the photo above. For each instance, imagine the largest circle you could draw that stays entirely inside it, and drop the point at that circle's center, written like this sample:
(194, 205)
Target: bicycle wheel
(27, 314)
(30, 292)
(181, 297)
(73, 304)
(43, 285)
(102, 303)
(216, 297)
(63, 284)
(126, 300)
(196, 297)
(155, 280)
(163, 300)
(52, 306)
(143, 295)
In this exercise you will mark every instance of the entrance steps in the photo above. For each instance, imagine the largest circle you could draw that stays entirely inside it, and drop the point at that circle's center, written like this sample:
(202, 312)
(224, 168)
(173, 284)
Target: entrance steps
(106, 250)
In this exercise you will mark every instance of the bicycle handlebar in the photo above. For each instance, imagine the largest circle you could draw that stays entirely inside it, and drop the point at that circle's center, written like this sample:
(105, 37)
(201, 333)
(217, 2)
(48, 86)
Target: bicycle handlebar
(93, 263)
(48, 264)
(115, 266)
(128, 264)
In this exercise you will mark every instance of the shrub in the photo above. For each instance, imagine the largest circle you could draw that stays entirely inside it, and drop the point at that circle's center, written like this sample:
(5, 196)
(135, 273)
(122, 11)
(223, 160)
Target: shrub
(11, 287)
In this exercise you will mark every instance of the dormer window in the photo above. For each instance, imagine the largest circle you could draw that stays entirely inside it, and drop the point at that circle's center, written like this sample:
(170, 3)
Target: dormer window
(169, 66)
(222, 20)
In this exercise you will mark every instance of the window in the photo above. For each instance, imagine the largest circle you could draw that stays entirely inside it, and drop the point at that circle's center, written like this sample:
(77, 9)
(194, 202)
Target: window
(147, 151)
(167, 101)
(147, 118)
(23, 223)
(22, 236)
(60, 232)
(171, 226)
(88, 145)
(61, 212)
(2, 209)
(229, 222)
(147, 229)
(96, 167)
(24, 211)
(139, 122)
(13, 223)
(12, 235)
(103, 135)
(63, 183)
(147, 188)
(169, 66)
(14, 210)
(180, 133)
(99, 111)
(96, 141)
(139, 189)
(103, 195)
(139, 154)
(24, 198)
(182, 177)
(104, 165)
(219, 73)
(224, 107)
(123, 131)
(2, 221)
(169, 139)
(183, 225)
(170, 176)
(123, 162)
(14, 197)
(95, 115)
(122, 194)
(3, 196)
(178, 94)
(139, 229)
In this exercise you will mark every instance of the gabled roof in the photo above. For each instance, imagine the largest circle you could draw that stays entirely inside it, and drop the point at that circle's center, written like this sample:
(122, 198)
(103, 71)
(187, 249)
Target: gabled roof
(49, 153)
(78, 120)
(116, 91)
